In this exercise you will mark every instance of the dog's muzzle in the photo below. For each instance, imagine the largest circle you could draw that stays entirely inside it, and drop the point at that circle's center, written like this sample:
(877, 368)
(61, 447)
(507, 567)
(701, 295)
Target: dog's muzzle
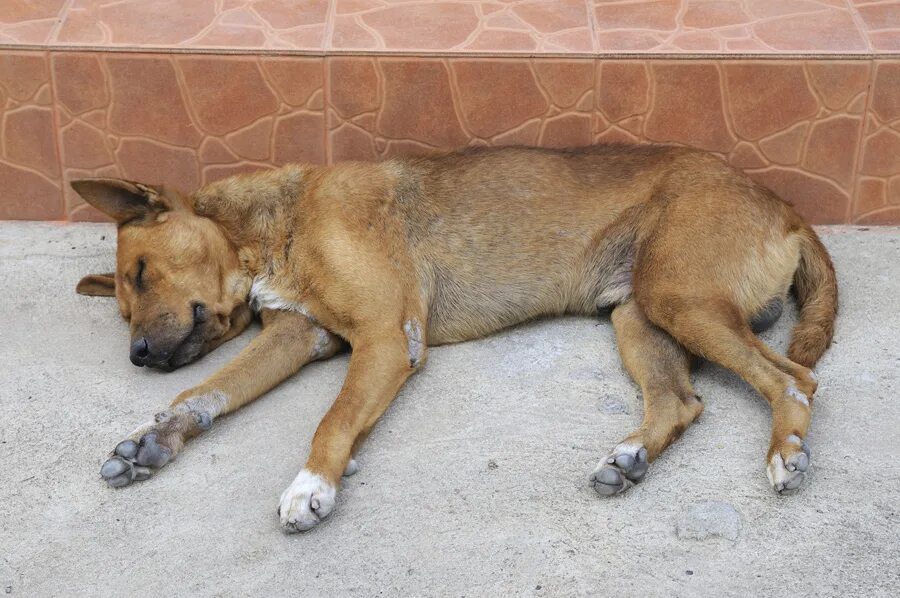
(166, 354)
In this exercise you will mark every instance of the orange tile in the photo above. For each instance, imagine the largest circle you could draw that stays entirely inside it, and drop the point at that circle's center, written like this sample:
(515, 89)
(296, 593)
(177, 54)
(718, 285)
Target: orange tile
(184, 120)
(561, 26)
(29, 22)
(767, 97)
(623, 89)
(881, 22)
(226, 95)
(30, 185)
(879, 163)
(157, 108)
(825, 133)
(496, 96)
(688, 107)
(817, 200)
(730, 26)
(428, 114)
(281, 24)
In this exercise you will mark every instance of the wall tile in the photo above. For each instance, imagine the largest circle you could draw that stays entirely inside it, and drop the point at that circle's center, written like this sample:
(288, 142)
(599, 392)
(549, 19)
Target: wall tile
(29, 164)
(881, 24)
(239, 24)
(792, 126)
(515, 26)
(727, 26)
(420, 105)
(878, 184)
(29, 22)
(196, 118)
(824, 134)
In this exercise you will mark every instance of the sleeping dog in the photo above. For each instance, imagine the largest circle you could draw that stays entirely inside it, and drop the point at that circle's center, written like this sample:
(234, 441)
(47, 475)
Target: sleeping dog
(393, 257)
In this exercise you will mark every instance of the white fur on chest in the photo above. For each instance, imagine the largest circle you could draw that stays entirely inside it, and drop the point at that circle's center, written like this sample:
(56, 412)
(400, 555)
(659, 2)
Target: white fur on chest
(263, 296)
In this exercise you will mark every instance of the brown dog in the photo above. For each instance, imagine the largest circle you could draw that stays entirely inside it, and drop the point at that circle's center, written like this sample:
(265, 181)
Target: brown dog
(395, 256)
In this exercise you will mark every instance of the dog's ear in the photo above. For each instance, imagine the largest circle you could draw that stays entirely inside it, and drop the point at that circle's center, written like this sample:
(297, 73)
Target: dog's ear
(121, 200)
(97, 285)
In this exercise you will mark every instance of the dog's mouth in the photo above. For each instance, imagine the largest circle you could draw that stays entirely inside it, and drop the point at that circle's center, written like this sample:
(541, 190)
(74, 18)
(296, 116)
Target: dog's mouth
(190, 348)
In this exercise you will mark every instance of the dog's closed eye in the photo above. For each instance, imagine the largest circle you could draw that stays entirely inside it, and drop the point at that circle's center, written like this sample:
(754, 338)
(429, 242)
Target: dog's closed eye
(139, 276)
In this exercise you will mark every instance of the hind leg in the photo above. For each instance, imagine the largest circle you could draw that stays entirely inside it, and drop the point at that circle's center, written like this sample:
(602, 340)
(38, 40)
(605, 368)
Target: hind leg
(714, 329)
(661, 367)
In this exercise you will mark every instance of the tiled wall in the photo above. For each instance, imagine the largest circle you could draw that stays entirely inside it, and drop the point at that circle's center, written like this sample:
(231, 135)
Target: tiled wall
(825, 133)
(30, 183)
(184, 120)
(460, 26)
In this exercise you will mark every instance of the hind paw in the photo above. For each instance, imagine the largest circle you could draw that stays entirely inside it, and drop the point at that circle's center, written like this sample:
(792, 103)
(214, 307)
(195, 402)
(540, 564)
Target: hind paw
(788, 466)
(621, 470)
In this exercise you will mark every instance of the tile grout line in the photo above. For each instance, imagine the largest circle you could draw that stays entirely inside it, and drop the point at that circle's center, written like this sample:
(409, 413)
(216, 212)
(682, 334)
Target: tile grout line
(860, 25)
(63, 16)
(595, 100)
(327, 39)
(326, 116)
(263, 52)
(592, 23)
(857, 164)
(57, 134)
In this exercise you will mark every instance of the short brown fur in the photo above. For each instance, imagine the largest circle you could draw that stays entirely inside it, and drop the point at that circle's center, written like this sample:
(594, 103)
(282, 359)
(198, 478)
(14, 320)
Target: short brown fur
(393, 256)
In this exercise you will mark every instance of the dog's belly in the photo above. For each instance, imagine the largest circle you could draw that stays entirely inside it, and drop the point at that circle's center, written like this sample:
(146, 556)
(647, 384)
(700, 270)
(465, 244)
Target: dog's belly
(465, 309)
(494, 291)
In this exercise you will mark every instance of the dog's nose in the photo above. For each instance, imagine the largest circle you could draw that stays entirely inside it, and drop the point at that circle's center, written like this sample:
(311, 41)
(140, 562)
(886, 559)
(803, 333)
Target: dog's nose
(140, 352)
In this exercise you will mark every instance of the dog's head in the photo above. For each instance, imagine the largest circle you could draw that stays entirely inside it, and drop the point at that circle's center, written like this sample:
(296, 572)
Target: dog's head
(178, 279)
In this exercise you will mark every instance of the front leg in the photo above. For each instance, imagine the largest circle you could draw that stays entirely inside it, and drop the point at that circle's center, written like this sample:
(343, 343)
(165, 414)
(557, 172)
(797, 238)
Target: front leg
(379, 366)
(287, 342)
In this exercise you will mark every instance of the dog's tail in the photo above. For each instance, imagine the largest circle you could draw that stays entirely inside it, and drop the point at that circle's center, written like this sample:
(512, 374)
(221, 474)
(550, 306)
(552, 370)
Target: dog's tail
(815, 285)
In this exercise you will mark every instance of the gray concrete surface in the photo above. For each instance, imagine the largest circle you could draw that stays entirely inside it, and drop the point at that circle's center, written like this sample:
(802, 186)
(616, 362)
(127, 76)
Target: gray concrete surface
(474, 483)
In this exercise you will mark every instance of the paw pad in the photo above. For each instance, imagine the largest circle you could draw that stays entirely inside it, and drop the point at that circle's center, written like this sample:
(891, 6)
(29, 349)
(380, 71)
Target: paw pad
(621, 470)
(132, 460)
(151, 453)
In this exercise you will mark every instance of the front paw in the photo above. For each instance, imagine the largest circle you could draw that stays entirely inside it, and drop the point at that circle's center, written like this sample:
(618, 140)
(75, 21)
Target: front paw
(151, 446)
(306, 502)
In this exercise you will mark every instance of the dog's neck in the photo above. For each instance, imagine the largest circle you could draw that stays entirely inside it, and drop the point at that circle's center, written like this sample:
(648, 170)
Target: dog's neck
(251, 209)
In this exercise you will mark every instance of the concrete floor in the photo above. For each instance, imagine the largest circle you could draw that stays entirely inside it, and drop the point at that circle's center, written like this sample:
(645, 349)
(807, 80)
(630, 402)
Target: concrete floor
(474, 483)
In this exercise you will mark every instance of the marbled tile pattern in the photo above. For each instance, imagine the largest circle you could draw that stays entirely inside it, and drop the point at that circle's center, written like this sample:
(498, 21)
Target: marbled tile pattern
(516, 26)
(461, 26)
(384, 77)
(823, 134)
(408, 106)
(792, 126)
(31, 22)
(727, 26)
(192, 120)
(877, 199)
(241, 24)
(29, 164)
(880, 22)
